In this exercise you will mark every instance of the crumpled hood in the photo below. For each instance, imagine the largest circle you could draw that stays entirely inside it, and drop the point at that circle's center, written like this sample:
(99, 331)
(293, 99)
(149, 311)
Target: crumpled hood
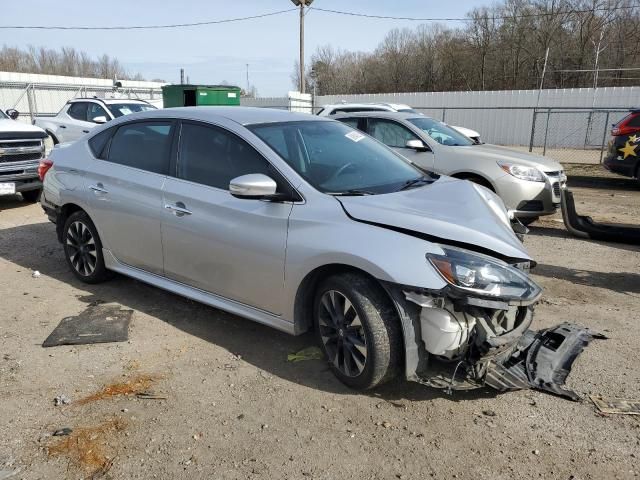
(497, 153)
(448, 209)
(8, 126)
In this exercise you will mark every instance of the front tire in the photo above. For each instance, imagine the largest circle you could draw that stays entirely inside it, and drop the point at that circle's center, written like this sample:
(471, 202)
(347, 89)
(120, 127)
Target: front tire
(358, 329)
(31, 196)
(83, 249)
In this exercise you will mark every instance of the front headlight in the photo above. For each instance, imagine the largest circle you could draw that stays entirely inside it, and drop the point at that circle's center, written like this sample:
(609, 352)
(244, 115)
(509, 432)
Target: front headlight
(531, 174)
(483, 275)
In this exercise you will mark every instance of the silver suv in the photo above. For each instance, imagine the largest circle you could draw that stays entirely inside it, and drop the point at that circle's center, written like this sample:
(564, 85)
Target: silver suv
(300, 222)
(528, 184)
(80, 115)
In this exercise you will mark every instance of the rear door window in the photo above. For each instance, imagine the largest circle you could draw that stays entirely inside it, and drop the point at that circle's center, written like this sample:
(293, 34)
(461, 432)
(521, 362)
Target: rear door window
(144, 145)
(98, 143)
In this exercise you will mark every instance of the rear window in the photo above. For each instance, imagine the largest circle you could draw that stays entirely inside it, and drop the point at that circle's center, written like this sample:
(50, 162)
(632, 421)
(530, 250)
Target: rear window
(120, 109)
(634, 121)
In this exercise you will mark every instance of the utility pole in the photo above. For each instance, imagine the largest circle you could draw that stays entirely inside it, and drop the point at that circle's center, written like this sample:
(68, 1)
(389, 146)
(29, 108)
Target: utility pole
(182, 76)
(302, 4)
(247, 79)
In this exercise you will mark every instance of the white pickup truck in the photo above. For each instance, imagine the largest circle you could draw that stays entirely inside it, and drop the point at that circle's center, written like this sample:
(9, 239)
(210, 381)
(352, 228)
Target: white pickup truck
(80, 115)
(21, 150)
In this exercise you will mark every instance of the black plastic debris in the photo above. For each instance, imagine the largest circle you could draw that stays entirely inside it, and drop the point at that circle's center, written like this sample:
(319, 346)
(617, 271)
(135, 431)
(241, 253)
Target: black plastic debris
(62, 432)
(97, 324)
(583, 226)
(542, 360)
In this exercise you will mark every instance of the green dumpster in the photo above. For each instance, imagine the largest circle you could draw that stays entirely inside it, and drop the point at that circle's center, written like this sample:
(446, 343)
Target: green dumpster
(199, 95)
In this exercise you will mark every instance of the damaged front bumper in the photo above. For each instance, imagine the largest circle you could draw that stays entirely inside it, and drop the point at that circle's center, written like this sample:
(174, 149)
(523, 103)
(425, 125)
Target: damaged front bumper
(462, 343)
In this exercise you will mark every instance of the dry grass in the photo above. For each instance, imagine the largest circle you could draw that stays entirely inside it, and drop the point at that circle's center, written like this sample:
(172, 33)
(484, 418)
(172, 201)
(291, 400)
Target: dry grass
(86, 447)
(135, 385)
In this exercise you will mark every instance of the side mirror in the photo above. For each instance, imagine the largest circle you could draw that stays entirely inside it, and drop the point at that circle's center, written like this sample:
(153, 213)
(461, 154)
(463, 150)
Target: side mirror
(417, 145)
(254, 185)
(100, 119)
(13, 113)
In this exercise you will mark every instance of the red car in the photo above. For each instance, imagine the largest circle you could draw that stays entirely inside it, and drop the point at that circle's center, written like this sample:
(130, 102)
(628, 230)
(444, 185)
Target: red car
(623, 156)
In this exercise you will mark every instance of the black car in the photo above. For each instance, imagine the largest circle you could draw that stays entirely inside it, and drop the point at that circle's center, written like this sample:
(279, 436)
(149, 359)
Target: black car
(623, 156)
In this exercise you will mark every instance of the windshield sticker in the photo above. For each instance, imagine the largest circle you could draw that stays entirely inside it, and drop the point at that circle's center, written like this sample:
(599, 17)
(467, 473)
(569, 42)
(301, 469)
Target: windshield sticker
(125, 110)
(355, 136)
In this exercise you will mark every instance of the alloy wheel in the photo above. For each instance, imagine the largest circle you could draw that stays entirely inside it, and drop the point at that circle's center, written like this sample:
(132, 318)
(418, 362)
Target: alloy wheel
(342, 333)
(81, 248)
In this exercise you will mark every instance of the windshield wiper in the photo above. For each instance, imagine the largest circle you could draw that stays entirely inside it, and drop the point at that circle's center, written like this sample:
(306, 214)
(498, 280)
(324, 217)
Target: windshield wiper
(351, 193)
(411, 183)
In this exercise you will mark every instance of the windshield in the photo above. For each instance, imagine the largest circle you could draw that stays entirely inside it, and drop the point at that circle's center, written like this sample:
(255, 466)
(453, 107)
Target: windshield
(337, 159)
(441, 132)
(120, 109)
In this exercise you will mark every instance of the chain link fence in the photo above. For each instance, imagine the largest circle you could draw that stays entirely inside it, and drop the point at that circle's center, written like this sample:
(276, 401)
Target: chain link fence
(573, 135)
(46, 100)
(569, 135)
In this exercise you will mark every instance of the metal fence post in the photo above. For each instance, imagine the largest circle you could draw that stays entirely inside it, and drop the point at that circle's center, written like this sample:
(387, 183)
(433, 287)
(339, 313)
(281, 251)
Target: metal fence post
(444, 113)
(546, 133)
(533, 129)
(30, 102)
(604, 135)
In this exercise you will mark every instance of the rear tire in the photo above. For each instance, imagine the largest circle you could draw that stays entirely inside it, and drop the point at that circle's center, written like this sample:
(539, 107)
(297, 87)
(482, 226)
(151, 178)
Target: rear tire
(31, 196)
(83, 249)
(358, 329)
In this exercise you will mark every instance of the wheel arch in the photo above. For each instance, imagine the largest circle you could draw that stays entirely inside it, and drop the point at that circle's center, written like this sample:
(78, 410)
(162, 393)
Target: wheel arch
(53, 136)
(466, 175)
(305, 294)
(65, 212)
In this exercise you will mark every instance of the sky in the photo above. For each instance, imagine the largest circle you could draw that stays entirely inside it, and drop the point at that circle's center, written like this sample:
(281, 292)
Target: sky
(214, 53)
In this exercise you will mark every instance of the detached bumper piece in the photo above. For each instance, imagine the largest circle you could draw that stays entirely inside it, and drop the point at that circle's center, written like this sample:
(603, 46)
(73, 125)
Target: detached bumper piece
(542, 360)
(584, 227)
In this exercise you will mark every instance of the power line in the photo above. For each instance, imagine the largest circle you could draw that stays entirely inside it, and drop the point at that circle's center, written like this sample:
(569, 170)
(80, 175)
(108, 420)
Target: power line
(470, 19)
(146, 27)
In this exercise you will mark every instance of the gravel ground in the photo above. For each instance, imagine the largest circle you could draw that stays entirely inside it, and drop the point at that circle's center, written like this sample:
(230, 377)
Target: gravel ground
(233, 407)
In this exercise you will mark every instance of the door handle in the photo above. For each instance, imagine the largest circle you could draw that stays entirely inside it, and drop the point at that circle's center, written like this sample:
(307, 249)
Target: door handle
(63, 126)
(178, 209)
(98, 188)
(85, 131)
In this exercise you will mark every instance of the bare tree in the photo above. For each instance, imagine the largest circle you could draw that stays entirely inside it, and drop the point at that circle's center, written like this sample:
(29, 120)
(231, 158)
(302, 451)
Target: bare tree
(66, 61)
(500, 47)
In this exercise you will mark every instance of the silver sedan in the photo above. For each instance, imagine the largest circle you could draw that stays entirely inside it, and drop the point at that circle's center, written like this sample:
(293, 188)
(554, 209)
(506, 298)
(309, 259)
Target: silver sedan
(299, 222)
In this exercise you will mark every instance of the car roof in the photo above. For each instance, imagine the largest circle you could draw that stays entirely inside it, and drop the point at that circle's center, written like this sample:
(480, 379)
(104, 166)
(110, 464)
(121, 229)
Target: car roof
(397, 106)
(381, 106)
(241, 115)
(108, 101)
(380, 114)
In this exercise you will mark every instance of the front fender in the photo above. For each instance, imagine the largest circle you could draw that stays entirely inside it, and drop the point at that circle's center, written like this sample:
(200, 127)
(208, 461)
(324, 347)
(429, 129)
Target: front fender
(387, 255)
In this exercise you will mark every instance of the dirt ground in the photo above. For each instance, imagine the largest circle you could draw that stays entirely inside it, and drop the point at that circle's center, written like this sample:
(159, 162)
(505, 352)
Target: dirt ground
(231, 407)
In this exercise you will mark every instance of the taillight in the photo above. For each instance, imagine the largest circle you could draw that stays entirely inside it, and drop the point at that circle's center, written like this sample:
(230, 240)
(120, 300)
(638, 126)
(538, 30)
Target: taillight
(623, 127)
(44, 167)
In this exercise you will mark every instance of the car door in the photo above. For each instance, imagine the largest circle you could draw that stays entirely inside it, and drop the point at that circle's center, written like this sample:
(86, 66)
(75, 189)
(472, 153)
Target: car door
(213, 241)
(395, 135)
(76, 125)
(125, 183)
